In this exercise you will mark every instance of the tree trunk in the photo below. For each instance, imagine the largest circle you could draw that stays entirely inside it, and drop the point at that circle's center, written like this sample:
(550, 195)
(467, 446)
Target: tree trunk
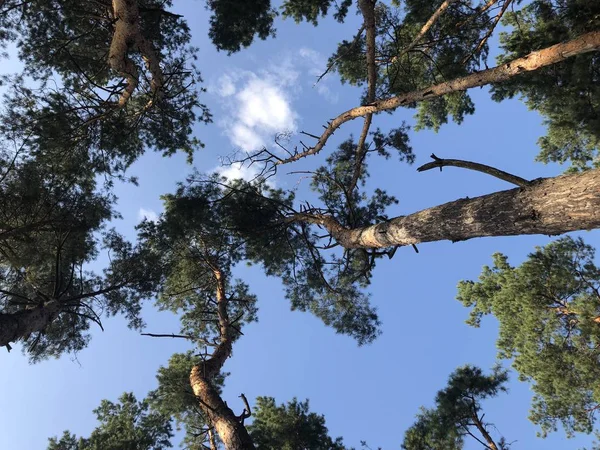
(490, 442)
(549, 206)
(229, 428)
(21, 324)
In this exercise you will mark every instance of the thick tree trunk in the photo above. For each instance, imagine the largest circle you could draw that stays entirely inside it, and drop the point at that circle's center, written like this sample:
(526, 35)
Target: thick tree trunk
(228, 426)
(549, 206)
(490, 442)
(21, 324)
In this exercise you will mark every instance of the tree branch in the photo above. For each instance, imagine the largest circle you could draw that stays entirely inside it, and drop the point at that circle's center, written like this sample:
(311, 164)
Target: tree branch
(127, 35)
(550, 206)
(489, 32)
(332, 64)
(367, 8)
(432, 20)
(247, 410)
(528, 63)
(439, 162)
(181, 336)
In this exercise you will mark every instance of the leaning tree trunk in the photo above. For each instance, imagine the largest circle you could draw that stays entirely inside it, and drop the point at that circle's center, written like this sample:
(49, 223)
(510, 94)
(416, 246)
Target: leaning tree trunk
(550, 206)
(21, 324)
(229, 427)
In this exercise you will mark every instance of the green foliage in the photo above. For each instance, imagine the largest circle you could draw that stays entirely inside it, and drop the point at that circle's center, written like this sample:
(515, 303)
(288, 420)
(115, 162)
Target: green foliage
(234, 23)
(548, 312)
(65, 101)
(227, 223)
(52, 227)
(566, 94)
(126, 425)
(191, 240)
(174, 397)
(446, 51)
(289, 426)
(309, 10)
(456, 412)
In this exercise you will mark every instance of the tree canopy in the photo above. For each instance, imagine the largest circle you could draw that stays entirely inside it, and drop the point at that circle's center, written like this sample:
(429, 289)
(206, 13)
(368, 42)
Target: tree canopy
(548, 313)
(103, 82)
(126, 425)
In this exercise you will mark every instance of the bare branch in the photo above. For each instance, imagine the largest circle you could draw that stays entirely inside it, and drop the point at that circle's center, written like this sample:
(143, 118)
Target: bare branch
(332, 64)
(439, 162)
(367, 8)
(247, 410)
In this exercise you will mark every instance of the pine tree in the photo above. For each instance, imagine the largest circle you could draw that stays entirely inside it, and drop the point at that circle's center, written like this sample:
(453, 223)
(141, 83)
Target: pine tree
(458, 413)
(549, 314)
(126, 425)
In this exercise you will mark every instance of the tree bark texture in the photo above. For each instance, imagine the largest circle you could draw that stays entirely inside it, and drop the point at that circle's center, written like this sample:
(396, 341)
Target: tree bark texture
(550, 206)
(533, 61)
(128, 36)
(21, 324)
(228, 426)
(490, 442)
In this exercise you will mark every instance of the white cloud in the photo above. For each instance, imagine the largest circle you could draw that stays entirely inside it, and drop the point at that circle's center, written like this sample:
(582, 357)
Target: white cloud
(225, 86)
(237, 170)
(147, 214)
(259, 105)
(258, 108)
(245, 137)
(312, 55)
(317, 65)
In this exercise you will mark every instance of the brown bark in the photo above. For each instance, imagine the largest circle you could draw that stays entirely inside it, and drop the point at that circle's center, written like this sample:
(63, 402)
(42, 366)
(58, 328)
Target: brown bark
(528, 63)
(21, 324)
(229, 427)
(502, 175)
(488, 439)
(233, 434)
(127, 36)
(550, 206)
(367, 8)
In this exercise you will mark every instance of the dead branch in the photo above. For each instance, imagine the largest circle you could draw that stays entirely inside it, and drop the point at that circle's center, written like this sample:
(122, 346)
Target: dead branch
(439, 162)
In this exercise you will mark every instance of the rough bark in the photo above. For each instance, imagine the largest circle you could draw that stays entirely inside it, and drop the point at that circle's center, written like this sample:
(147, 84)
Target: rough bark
(367, 8)
(233, 434)
(228, 426)
(528, 63)
(550, 206)
(128, 35)
(21, 324)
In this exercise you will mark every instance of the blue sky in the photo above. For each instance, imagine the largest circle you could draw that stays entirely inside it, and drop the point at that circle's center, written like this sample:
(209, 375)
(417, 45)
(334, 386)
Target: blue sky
(369, 393)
